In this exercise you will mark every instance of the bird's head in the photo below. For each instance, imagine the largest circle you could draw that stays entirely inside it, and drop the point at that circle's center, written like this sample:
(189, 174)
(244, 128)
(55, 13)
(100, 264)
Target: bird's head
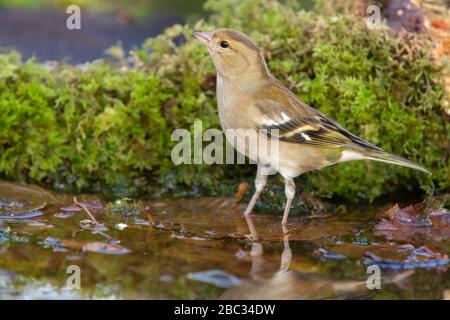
(235, 55)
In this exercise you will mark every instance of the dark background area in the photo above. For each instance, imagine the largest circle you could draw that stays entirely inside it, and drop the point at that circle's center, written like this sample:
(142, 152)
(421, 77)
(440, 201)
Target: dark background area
(38, 28)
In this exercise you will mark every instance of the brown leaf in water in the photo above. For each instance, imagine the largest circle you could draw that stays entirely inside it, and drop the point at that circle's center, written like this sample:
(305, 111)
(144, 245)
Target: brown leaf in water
(413, 222)
(440, 218)
(21, 201)
(71, 208)
(390, 255)
(242, 190)
(90, 204)
(96, 246)
(105, 247)
(406, 257)
(385, 225)
(390, 213)
(24, 192)
(40, 224)
(93, 204)
(72, 244)
(62, 215)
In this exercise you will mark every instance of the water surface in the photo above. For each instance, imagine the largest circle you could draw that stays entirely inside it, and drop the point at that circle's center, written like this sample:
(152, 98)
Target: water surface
(205, 249)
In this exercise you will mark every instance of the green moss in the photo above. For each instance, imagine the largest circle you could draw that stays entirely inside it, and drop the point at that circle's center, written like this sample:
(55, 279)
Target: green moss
(109, 123)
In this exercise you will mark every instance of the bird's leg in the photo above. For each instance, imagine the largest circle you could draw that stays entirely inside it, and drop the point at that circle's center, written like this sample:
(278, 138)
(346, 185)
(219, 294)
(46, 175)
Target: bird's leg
(289, 189)
(253, 233)
(260, 183)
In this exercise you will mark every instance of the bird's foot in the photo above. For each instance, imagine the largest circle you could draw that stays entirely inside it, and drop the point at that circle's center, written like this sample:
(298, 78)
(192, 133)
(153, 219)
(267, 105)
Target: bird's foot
(250, 237)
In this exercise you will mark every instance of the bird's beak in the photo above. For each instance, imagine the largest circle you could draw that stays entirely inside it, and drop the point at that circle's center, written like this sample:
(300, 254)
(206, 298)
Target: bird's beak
(203, 36)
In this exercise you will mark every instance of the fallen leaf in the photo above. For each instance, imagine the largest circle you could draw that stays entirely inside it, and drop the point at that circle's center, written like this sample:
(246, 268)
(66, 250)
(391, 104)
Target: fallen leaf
(73, 208)
(328, 255)
(390, 213)
(93, 204)
(105, 247)
(385, 225)
(414, 223)
(216, 277)
(242, 190)
(72, 244)
(406, 257)
(62, 215)
(23, 215)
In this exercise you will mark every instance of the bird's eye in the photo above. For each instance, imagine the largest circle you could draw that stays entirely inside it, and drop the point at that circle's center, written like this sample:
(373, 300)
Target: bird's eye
(224, 44)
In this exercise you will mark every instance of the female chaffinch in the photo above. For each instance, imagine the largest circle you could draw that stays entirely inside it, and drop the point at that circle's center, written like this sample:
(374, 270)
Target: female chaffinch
(252, 101)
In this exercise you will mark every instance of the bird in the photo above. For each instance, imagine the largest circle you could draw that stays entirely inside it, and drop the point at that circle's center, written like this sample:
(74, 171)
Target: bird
(251, 99)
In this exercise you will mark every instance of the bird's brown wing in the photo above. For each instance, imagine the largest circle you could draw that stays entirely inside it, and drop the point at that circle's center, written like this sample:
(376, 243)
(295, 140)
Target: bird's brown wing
(297, 122)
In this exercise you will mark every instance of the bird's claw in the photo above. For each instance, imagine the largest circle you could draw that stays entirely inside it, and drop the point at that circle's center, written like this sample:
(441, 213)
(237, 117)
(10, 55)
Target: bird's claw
(249, 237)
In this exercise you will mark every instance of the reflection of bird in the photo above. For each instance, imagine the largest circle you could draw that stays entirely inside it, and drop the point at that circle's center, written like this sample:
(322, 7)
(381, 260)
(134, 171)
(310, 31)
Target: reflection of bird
(269, 281)
(294, 285)
(251, 100)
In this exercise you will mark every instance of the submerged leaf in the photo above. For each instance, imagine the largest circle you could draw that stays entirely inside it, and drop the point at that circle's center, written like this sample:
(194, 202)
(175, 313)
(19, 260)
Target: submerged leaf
(216, 277)
(414, 222)
(407, 257)
(105, 247)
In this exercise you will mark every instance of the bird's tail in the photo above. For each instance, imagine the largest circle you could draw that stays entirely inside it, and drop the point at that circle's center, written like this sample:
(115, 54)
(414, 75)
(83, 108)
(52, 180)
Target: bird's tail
(382, 156)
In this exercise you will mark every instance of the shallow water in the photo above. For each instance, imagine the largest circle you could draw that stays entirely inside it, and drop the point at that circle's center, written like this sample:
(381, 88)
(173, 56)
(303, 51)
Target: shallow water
(205, 249)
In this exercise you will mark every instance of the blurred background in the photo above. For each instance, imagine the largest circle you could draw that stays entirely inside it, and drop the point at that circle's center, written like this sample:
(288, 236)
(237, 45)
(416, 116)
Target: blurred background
(39, 27)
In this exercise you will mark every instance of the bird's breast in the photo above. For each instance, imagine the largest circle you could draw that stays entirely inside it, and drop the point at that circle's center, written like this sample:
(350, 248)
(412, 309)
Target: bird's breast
(233, 106)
